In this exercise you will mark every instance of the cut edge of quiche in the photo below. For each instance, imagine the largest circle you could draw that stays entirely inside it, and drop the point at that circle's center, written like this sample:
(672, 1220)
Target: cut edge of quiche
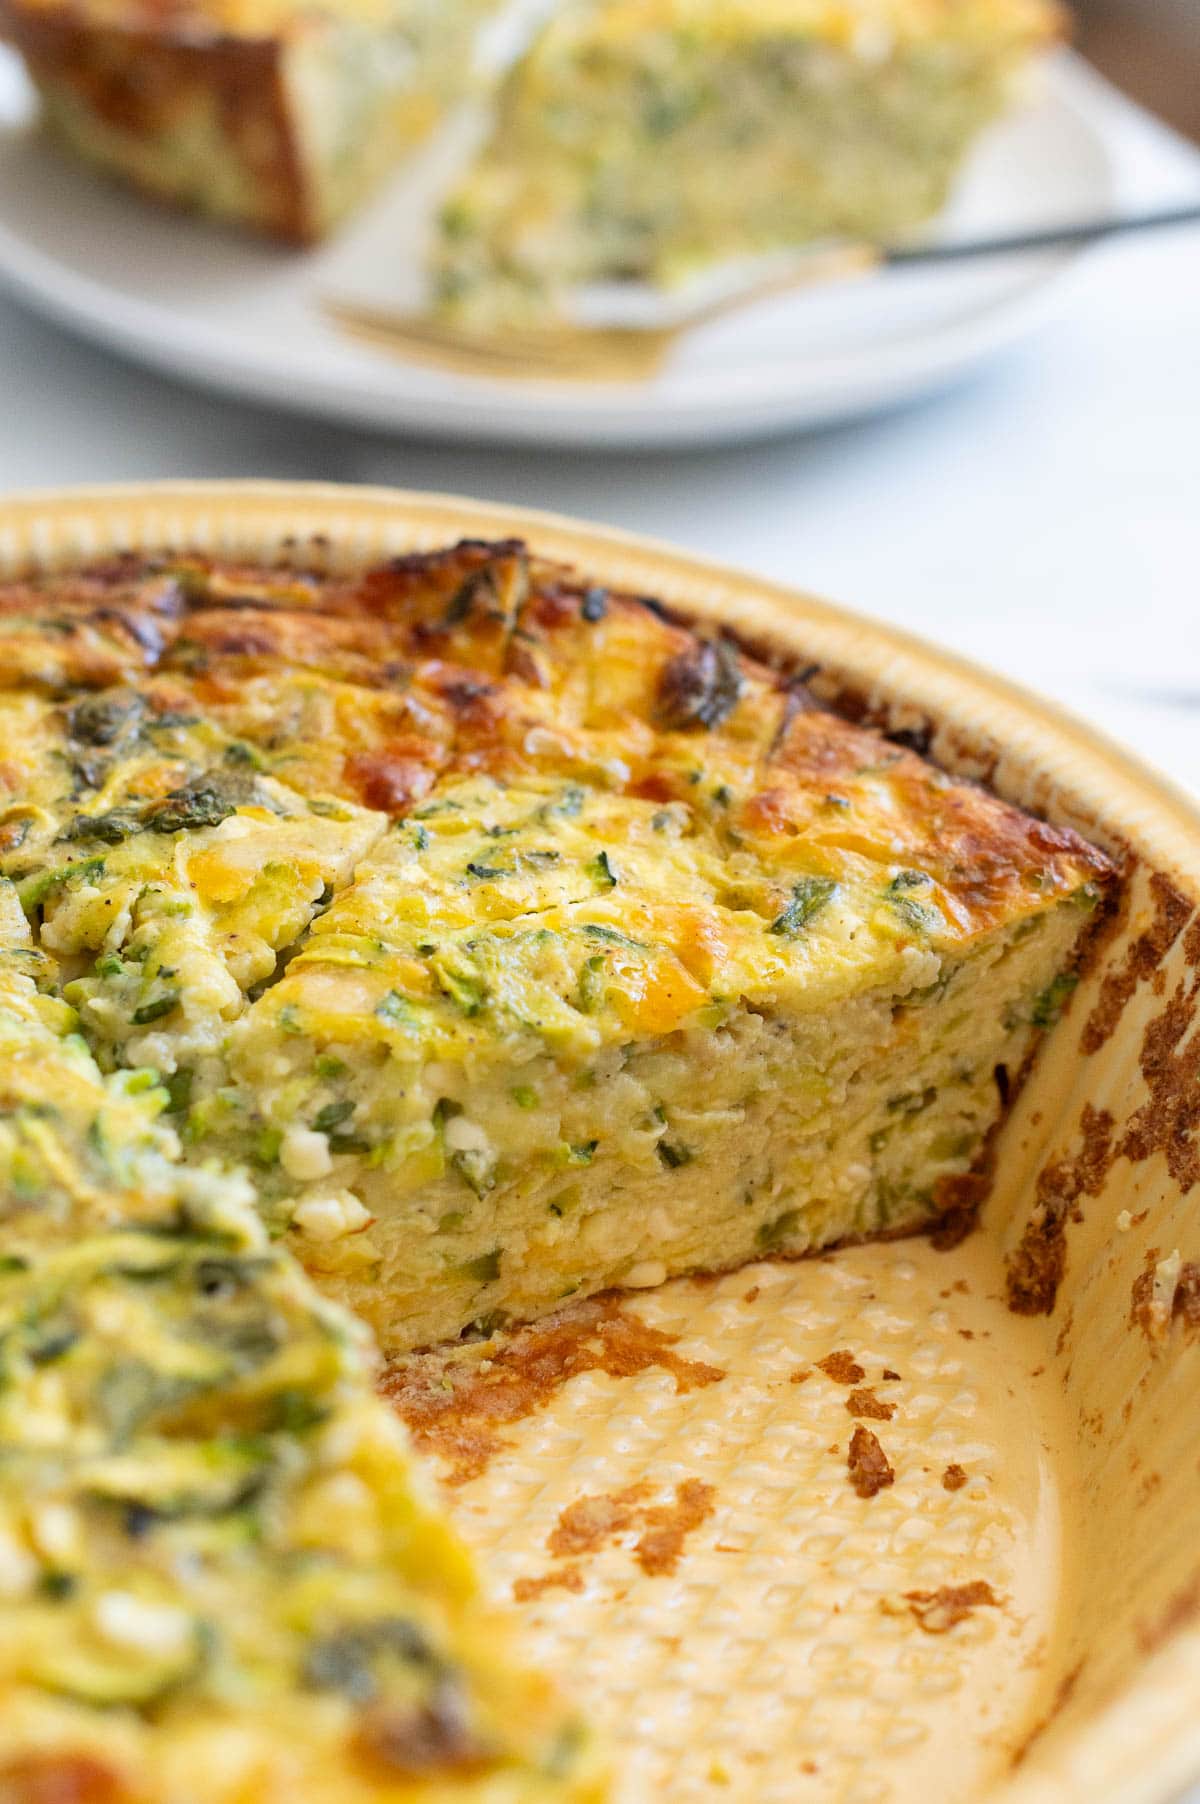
(474, 937)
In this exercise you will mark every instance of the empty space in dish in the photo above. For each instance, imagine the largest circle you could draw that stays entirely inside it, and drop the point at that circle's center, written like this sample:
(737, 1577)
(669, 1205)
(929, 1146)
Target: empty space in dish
(690, 1551)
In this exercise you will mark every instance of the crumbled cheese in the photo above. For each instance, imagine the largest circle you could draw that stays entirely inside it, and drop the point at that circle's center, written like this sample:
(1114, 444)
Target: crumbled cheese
(1166, 1283)
(156, 1049)
(304, 1153)
(920, 967)
(646, 1274)
(148, 1628)
(464, 1136)
(55, 1529)
(540, 742)
(18, 1568)
(235, 826)
(1124, 1221)
(330, 1217)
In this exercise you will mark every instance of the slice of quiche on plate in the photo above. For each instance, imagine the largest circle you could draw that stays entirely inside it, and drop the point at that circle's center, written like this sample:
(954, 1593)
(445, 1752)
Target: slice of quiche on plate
(269, 113)
(645, 140)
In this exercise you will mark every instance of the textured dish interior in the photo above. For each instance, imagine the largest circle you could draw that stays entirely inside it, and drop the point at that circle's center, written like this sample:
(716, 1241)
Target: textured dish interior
(781, 1657)
(1082, 1505)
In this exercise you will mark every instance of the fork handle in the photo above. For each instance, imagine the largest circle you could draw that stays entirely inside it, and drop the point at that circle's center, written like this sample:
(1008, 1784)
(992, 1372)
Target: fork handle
(1089, 231)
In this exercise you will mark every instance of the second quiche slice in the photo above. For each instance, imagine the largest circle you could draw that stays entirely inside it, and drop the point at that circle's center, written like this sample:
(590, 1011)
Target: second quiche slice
(647, 139)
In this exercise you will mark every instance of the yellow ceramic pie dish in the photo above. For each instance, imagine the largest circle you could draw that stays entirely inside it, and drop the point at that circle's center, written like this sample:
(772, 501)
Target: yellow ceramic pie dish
(891, 1518)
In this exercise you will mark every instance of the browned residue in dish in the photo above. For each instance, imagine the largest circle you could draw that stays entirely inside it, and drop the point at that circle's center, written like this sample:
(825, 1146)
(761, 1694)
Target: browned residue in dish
(1064, 1691)
(937, 1612)
(564, 1578)
(958, 1200)
(590, 1523)
(1142, 958)
(1036, 1267)
(1169, 1120)
(954, 1477)
(870, 1469)
(1155, 1314)
(667, 1527)
(455, 1402)
(865, 1403)
(842, 1367)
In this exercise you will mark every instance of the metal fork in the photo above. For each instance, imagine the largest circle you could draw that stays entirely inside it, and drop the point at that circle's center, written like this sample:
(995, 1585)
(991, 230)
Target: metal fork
(560, 351)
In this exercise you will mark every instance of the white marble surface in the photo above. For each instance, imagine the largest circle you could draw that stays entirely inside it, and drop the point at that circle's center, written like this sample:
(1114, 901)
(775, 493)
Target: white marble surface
(1044, 517)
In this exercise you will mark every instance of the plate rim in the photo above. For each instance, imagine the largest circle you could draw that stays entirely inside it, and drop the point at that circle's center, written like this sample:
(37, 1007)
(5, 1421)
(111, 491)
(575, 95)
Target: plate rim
(710, 406)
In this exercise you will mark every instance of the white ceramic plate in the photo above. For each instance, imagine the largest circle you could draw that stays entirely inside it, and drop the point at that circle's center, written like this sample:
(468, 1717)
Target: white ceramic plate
(212, 307)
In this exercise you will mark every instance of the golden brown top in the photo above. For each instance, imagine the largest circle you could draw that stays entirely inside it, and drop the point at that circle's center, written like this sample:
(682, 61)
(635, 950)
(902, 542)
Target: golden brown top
(483, 661)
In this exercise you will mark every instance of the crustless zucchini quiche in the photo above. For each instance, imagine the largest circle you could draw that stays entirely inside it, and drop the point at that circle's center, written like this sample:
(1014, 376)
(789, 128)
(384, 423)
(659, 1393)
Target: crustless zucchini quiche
(444, 941)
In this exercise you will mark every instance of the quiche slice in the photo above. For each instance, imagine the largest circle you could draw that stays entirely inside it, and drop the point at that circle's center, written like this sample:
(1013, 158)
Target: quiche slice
(220, 1575)
(270, 113)
(646, 139)
(514, 939)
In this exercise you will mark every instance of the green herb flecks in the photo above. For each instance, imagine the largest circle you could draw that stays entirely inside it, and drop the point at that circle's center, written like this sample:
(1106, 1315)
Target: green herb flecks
(399, 1012)
(596, 931)
(914, 913)
(464, 986)
(110, 828)
(600, 870)
(1050, 1004)
(205, 801)
(809, 897)
(592, 988)
(485, 1269)
(155, 1008)
(35, 890)
(332, 1115)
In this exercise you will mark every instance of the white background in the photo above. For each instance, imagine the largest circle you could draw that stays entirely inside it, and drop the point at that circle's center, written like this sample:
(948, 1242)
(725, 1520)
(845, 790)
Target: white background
(1044, 517)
